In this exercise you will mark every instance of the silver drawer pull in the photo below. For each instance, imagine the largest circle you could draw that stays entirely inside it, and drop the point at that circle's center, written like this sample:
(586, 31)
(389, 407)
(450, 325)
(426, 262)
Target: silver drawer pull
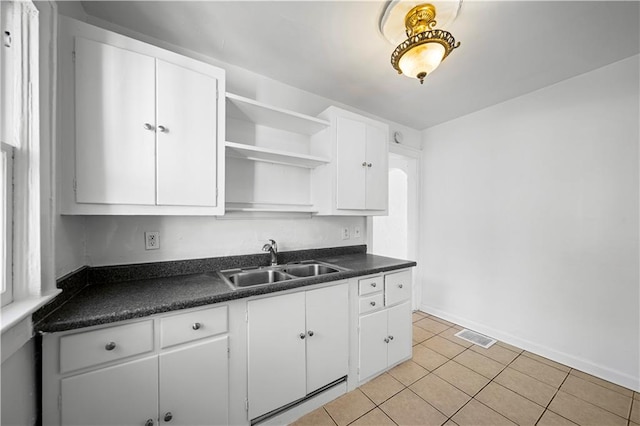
(163, 129)
(310, 333)
(390, 337)
(372, 303)
(373, 284)
(399, 285)
(149, 422)
(196, 326)
(386, 340)
(148, 126)
(168, 417)
(302, 335)
(110, 346)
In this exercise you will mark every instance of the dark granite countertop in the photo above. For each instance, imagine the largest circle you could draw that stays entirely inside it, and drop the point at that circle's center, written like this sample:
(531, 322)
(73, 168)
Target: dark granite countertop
(111, 294)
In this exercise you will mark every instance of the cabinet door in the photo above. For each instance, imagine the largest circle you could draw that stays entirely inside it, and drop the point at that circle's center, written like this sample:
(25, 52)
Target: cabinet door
(327, 335)
(187, 142)
(115, 97)
(377, 180)
(276, 352)
(194, 384)
(399, 327)
(373, 348)
(125, 394)
(351, 154)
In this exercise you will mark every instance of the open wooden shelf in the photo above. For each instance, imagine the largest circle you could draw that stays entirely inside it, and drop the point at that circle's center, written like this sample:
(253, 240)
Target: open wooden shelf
(268, 155)
(267, 115)
(270, 208)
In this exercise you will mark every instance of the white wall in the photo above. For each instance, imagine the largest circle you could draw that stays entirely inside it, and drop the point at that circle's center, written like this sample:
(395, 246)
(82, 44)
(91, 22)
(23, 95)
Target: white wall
(530, 222)
(120, 240)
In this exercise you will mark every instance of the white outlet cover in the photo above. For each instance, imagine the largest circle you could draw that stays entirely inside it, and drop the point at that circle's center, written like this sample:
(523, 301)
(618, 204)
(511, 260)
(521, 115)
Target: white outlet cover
(345, 233)
(356, 232)
(152, 240)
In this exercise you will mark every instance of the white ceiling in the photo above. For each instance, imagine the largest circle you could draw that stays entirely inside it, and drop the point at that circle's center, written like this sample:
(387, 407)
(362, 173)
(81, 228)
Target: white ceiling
(334, 49)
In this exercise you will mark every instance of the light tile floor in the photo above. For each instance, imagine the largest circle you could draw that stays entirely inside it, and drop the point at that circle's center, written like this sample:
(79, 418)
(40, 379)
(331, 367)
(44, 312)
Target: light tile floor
(452, 382)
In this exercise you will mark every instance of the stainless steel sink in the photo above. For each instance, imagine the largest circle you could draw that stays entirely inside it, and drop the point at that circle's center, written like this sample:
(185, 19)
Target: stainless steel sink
(249, 277)
(309, 270)
(257, 277)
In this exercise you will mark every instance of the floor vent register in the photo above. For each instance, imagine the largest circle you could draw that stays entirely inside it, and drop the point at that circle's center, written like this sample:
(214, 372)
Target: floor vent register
(476, 338)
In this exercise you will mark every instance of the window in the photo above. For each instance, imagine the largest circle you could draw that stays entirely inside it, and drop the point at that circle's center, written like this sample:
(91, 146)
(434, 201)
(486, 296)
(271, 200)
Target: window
(6, 224)
(20, 272)
(7, 138)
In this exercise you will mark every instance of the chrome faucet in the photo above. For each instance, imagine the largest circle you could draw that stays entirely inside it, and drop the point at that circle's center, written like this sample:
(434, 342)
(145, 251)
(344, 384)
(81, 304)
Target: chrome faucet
(273, 249)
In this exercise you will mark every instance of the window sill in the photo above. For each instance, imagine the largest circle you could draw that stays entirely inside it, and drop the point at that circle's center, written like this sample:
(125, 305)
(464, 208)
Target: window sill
(15, 322)
(15, 312)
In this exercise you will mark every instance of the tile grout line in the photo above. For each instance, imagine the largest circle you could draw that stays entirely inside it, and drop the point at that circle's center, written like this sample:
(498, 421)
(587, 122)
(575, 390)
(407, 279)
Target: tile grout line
(551, 400)
(451, 359)
(481, 389)
(589, 402)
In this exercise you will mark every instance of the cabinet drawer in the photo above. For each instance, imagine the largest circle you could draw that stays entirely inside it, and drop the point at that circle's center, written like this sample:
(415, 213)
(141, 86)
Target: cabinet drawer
(397, 287)
(182, 328)
(370, 285)
(371, 303)
(106, 344)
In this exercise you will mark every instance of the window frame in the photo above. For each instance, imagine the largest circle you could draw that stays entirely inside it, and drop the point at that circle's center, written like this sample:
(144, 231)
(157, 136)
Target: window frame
(7, 207)
(22, 18)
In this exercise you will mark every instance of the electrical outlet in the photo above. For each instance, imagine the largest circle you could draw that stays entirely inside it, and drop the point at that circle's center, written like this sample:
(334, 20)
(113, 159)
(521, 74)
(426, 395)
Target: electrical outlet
(345, 233)
(152, 240)
(356, 232)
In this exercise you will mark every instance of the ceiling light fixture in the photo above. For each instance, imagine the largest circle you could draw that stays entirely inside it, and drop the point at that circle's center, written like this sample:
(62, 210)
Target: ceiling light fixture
(425, 47)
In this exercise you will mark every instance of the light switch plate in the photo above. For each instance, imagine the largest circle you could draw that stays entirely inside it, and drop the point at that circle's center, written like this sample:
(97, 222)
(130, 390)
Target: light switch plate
(356, 232)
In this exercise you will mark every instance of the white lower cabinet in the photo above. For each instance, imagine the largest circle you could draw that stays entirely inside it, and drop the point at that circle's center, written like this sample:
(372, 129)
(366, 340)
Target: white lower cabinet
(298, 343)
(194, 384)
(139, 384)
(384, 328)
(123, 394)
(233, 363)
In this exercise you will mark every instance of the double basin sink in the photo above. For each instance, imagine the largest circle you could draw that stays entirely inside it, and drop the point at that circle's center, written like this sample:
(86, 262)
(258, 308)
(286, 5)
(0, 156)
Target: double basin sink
(249, 277)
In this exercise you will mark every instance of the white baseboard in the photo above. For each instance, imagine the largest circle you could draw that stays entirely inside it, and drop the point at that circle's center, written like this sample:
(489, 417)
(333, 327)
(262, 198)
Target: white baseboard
(567, 359)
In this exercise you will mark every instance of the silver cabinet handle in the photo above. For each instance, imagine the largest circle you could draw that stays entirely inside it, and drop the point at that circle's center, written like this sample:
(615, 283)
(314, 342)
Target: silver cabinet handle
(364, 164)
(390, 337)
(373, 284)
(399, 285)
(386, 340)
(196, 326)
(148, 422)
(369, 164)
(148, 126)
(163, 129)
(168, 416)
(110, 346)
(310, 333)
(302, 335)
(373, 303)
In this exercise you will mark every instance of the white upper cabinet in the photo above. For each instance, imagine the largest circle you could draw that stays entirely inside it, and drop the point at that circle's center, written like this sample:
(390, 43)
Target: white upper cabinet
(186, 136)
(142, 127)
(115, 154)
(356, 181)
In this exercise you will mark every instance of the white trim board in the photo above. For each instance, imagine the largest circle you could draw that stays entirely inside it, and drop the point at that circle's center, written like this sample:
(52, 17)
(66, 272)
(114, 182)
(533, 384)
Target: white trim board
(569, 360)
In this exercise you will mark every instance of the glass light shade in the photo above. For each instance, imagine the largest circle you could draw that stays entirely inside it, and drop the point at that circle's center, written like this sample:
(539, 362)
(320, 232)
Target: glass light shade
(421, 59)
